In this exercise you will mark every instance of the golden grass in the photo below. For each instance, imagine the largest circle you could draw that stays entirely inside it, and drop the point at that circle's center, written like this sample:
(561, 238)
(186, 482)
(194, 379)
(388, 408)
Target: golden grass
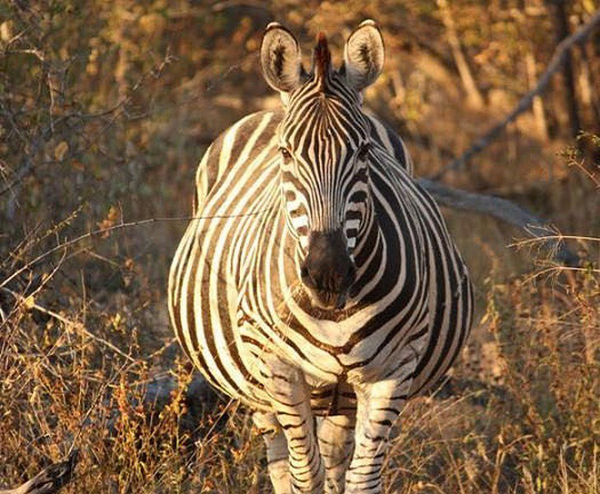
(526, 421)
(535, 426)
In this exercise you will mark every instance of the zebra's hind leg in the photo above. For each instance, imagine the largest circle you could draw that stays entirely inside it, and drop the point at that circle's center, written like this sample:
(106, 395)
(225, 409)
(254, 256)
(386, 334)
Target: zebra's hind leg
(277, 451)
(336, 441)
(290, 398)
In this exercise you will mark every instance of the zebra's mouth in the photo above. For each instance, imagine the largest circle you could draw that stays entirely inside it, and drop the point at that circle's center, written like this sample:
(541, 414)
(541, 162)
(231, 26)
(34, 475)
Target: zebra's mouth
(328, 301)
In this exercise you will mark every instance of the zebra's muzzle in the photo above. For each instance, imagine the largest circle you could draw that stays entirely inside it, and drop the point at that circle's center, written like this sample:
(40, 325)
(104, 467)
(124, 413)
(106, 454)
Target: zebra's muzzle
(328, 271)
(327, 301)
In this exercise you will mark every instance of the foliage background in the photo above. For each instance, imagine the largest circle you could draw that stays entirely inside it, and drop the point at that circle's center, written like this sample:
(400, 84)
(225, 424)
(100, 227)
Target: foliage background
(105, 110)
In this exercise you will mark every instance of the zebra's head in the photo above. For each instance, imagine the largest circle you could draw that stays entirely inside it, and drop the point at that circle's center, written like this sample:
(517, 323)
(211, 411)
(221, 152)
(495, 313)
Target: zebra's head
(324, 140)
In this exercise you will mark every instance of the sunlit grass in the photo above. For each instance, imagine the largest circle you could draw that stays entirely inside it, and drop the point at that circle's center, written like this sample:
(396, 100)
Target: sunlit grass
(530, 424)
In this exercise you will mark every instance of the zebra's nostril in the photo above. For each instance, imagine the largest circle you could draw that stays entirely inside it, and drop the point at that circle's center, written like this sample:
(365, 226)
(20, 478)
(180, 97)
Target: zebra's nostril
(350, 275)
(306, 277)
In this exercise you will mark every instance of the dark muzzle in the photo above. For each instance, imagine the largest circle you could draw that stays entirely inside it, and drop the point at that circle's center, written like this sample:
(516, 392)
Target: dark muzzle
(328, 271)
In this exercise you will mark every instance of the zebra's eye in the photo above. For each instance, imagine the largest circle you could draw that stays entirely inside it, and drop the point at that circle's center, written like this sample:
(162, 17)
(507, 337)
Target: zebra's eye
(363, 151)
(285, 153)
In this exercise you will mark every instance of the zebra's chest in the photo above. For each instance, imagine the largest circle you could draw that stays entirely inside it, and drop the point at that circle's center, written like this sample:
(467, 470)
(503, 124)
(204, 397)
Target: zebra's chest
(327, 350)
(273, 314)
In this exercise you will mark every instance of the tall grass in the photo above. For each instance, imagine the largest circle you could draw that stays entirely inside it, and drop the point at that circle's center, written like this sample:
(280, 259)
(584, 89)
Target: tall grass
(520, 412)
(527, 421)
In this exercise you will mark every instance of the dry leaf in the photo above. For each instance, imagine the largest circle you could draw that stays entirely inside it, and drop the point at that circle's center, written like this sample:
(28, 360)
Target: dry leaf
(29, 302)
(60, 151)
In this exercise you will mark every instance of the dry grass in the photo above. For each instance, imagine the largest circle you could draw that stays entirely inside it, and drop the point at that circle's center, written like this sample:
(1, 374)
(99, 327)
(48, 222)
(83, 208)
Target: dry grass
(65, 387)
(519, 414)
(528, 422)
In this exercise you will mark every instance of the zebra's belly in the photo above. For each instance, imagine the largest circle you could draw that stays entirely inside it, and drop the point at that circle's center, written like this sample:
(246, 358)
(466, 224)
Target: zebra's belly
(330, 371)
(238, 370)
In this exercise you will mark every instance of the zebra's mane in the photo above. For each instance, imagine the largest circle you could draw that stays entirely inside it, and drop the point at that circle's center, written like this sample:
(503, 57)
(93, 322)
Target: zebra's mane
(322, 62)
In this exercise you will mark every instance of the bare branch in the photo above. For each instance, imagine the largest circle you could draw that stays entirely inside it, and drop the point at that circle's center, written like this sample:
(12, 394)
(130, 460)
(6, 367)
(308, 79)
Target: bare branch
(50, 479)
(70, 123)
(558, 59)
(503, 210)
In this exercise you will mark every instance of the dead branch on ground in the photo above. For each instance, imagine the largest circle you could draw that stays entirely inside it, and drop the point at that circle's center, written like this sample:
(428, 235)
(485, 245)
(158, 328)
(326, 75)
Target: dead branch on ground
(50, 479)
(505, 211)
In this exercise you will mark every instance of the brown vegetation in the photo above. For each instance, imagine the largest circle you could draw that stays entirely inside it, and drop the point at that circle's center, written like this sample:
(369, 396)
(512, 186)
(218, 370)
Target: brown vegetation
(105, 109)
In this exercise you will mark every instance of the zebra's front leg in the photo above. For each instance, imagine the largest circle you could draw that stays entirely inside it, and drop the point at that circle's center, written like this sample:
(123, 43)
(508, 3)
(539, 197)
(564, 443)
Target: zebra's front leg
(336, 441)
(277, 451)
(290, 398)
(378, 406)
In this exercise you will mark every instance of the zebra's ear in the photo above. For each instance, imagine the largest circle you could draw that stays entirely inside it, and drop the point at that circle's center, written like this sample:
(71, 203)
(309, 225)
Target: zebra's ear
(280, 58)
(364, 55)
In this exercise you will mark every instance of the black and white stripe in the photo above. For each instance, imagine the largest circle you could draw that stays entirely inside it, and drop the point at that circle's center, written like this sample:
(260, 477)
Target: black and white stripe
(274, 192)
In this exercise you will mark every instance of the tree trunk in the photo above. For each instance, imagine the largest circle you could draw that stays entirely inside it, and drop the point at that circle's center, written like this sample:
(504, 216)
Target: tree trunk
(538, 105)
(561, 24)
(473, 94)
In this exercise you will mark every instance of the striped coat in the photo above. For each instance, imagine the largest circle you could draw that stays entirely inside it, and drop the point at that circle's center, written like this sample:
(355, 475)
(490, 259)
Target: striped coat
(216, 258)
(239, 294)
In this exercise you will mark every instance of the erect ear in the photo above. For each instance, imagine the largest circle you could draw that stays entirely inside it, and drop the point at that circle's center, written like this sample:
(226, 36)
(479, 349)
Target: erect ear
(280, 58)
(364, 55)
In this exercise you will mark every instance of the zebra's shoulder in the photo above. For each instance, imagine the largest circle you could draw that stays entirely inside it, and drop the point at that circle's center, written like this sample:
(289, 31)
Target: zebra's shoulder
(387, 137)
(231, 145)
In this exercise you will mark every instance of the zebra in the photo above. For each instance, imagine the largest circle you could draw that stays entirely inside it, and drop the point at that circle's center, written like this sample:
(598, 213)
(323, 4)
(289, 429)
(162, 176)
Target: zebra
(317, 282)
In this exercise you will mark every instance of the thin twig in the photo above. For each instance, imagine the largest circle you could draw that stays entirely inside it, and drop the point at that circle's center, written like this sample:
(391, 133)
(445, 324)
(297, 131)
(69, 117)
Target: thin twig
(529, 241)
(120, 226)
(50, 479)
(29, 302)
